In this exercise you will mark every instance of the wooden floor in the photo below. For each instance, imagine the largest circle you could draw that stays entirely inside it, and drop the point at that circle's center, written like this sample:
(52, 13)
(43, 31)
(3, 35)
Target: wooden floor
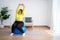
(35, 33)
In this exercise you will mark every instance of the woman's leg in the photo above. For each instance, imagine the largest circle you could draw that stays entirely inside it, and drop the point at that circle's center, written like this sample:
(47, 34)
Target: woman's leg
(19, 26)
(14, 26)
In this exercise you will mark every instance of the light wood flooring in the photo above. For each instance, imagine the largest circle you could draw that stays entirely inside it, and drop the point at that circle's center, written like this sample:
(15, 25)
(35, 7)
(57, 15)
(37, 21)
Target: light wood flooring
(35, 33)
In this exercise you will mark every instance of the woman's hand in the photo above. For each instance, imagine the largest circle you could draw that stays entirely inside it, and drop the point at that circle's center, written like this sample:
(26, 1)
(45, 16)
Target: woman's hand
(21, 4)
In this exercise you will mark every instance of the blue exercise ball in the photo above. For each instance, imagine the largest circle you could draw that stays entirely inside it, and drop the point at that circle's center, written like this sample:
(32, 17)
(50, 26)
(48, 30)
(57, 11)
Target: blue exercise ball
(16, 31)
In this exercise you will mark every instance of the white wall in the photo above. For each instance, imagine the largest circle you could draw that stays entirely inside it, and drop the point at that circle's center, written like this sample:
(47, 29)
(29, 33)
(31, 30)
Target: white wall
(56, 17)
(49, 15)
(37, 9)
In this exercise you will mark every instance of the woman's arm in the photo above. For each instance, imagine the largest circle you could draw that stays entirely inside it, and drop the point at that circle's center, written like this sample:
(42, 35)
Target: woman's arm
(23, 9)
(17, 8)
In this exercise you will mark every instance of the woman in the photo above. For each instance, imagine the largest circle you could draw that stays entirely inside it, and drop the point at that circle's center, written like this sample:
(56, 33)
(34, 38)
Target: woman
(18, 19)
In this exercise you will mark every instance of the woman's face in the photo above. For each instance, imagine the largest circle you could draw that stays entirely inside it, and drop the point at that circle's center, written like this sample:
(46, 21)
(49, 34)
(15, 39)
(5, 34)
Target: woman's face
(20, 12)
